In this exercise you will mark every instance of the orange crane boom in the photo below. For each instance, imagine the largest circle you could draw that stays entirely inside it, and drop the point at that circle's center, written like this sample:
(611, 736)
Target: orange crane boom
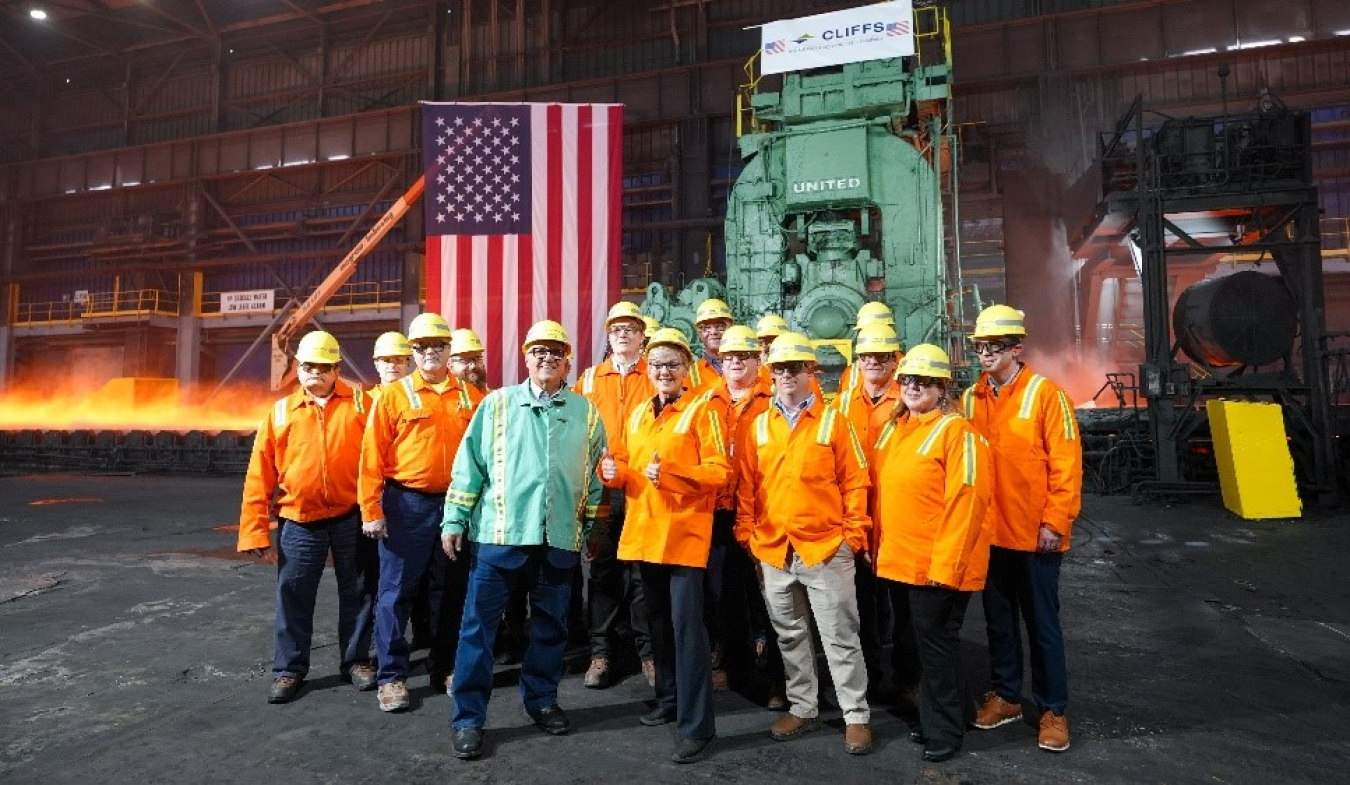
(283, 364)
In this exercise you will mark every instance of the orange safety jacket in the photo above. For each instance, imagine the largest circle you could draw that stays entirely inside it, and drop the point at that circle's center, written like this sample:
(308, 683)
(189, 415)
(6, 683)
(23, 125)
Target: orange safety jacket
(1038, 457)
(737, 415)
(702, 377)
(805, 488)
(311, 455)
(670, 522)
(933, 481)
(615, 394)
(412, 438)
(868, 418)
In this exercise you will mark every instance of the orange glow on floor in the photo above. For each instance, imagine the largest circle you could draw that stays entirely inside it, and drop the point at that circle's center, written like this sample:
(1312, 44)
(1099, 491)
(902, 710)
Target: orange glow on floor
(45, 502)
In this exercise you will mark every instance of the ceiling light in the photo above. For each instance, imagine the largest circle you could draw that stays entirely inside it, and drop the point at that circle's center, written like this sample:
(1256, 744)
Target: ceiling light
(37, 13)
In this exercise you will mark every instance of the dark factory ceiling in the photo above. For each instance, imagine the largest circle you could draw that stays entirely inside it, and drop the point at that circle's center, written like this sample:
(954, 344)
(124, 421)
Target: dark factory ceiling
(74, 36)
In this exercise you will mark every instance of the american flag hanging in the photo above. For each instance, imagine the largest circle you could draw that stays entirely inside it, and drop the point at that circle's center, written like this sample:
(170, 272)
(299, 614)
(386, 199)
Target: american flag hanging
(523, 222)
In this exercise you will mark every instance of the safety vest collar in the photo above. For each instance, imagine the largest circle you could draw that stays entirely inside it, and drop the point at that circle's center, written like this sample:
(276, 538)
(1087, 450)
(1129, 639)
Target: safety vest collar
(815, 411)
(926, 417)
(558, 398)
(300, 398)
(608, 368)
(419, 382)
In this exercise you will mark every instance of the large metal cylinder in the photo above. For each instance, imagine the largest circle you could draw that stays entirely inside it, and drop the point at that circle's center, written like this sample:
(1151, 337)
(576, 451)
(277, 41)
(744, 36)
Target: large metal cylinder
(1247, 318)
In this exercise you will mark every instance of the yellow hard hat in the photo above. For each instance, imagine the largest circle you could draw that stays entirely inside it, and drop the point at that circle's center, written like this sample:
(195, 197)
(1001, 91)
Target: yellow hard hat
(877, 338)
(791, 347)
(428, 325)
(997, 320)
(712, 309)
(874, 313)
(926, 360)
(652, 325)
(547, 330)
(623, 310)
(392, 344)
(318, 347)
(669, 336)
(771, 325)
(465, 341)
(739, 338)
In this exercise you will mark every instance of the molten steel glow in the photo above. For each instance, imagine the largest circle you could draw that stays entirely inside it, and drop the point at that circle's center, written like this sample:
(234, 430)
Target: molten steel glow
(140, 404)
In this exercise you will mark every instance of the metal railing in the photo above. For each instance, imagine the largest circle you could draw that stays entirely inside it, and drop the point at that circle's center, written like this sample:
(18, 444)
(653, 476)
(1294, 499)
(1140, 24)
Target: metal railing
(1336, 236)
(131, 302)
(47, 313)
(351, 296)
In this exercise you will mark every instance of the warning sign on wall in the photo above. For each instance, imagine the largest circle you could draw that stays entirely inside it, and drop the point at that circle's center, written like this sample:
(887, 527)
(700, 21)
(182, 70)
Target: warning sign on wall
(248, 302)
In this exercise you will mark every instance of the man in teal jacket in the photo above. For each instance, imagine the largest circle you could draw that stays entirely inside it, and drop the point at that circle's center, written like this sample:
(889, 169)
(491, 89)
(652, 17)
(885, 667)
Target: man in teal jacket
(523, 498)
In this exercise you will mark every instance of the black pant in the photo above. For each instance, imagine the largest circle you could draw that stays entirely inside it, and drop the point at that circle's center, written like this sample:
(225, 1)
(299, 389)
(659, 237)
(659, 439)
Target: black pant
(716, 590)
(905, 662)
(734, 611)
(936, 614)
(680, 646)
(611, 583)
(449, 584)
(1024, 585)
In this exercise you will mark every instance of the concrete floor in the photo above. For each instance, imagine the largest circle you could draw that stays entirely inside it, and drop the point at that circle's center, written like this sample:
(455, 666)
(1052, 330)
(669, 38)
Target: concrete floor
(135, 647)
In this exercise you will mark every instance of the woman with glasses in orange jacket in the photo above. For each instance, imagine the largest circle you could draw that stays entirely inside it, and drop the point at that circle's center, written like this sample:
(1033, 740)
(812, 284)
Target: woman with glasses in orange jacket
(932, 482)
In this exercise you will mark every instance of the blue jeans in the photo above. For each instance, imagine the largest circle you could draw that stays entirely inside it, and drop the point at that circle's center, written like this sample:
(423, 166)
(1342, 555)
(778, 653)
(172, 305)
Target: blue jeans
(413, 523)
(1024, 586)
(302, 550)
(494, 570)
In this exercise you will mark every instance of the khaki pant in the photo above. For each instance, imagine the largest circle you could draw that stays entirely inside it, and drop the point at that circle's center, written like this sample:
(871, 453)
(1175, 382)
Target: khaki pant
(826, 592)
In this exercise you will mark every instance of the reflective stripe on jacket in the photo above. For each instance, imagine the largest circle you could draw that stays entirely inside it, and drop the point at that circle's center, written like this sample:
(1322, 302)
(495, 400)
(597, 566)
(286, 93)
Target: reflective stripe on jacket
(866, 417)
(805, 487)
(737, 415)
(311, 455)
(525, 472)
(412, 437)
(615, 394)
(933, 481)
(1038, 457)
(670, 522)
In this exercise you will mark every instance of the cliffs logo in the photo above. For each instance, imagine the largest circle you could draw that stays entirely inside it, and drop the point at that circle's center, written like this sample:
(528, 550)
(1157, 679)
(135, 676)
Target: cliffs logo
(803, 38)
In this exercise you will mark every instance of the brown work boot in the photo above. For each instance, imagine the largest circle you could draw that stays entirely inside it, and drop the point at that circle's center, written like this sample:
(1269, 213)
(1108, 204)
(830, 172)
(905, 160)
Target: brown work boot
(597, 676)
(1054, 735)
(857, 738)
(996, 711)
(649, 670)
(393, 696)
(790, 726)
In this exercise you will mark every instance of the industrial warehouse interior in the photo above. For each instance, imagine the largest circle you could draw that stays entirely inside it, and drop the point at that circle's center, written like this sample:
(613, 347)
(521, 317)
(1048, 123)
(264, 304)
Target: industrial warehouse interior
(188, 188)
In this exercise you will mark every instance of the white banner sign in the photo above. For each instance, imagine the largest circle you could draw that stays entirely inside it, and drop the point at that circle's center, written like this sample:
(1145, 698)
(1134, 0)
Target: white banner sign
(247, 302)
(873, 32)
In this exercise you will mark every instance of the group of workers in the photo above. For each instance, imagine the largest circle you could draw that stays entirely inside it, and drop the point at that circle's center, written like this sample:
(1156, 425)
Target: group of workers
(734, 512)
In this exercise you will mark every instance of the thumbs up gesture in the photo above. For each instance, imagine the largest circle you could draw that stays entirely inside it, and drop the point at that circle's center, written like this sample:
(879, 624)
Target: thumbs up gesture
(608, 468)
(654, 468)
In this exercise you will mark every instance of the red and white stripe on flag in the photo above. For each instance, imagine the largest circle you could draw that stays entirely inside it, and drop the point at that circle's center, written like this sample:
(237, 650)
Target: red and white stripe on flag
(523, 222)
